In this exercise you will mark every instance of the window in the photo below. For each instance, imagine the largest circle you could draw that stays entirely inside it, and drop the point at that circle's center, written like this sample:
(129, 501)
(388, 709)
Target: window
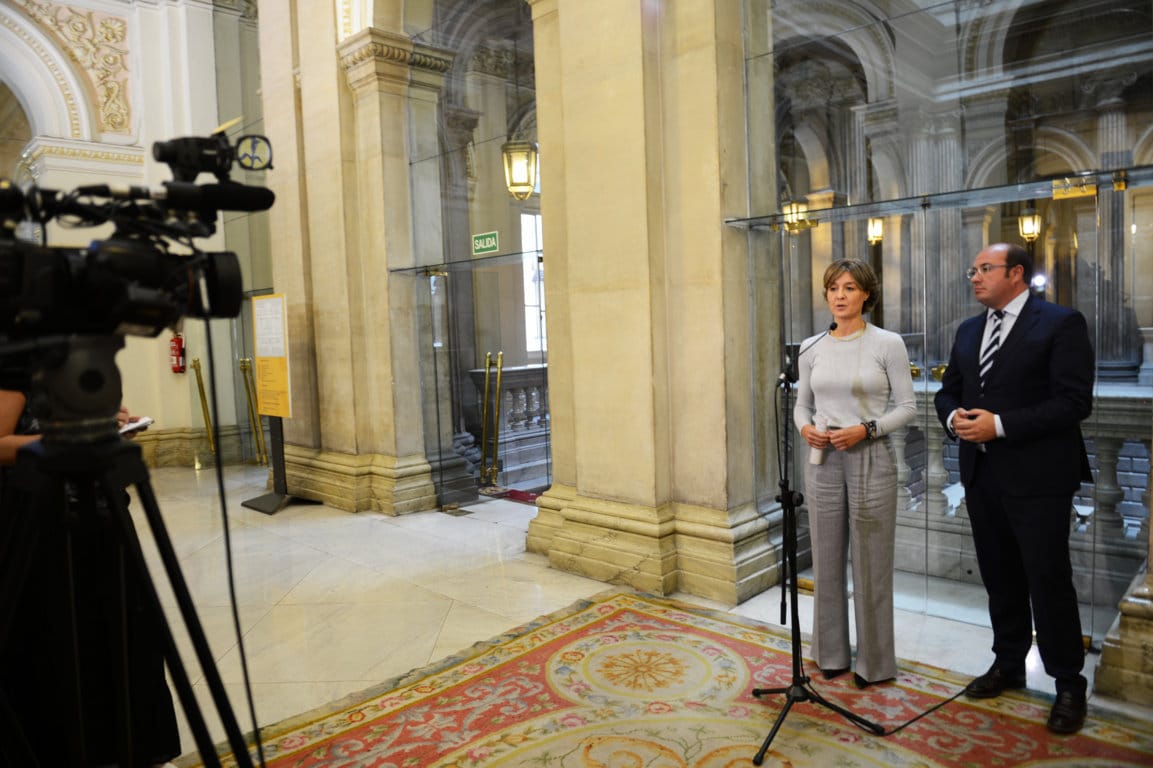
(533, 269)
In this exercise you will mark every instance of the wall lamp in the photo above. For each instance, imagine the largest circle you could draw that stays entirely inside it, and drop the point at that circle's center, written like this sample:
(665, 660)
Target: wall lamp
(876, 231)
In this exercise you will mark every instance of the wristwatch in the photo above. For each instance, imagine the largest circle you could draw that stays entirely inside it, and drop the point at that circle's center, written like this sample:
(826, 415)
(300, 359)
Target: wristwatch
(870, 429)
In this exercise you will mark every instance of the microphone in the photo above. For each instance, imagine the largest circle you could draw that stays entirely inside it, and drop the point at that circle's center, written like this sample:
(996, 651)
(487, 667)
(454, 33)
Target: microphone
(225, 196)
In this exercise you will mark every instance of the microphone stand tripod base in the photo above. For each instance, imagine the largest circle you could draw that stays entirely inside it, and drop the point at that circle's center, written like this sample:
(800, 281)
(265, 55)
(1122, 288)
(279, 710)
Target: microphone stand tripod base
(799, 690)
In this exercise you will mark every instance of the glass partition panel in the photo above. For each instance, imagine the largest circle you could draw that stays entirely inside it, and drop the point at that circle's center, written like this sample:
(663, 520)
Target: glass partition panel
(912, 139)
(476, 271)
(1090, 251)
(871, 102)
(484, 375)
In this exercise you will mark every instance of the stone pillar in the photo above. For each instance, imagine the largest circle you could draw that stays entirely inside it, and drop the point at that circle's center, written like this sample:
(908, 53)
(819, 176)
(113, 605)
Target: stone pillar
(356, 439)
(1117, 352)
(652, 328)
(551, 132)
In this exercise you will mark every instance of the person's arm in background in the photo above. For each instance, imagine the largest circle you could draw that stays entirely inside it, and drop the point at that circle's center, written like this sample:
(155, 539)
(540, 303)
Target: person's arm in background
(11, 409)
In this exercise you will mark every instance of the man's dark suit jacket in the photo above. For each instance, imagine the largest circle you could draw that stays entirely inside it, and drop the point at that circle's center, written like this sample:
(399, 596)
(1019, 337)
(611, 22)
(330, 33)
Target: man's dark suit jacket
(1041, 385)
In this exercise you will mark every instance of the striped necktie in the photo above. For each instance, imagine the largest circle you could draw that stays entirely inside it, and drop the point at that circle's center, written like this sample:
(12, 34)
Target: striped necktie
(991, 346)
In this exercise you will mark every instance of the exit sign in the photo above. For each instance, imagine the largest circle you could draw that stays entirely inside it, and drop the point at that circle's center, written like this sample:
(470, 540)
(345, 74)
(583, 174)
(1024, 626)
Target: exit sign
(485, 242)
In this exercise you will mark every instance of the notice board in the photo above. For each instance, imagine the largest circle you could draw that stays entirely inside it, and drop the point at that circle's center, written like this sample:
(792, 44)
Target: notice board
(270, 355)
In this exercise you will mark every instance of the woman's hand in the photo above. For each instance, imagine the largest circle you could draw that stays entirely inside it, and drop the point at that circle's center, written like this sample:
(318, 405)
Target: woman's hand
(122, 417)
(815, 437)
(844, 439)
(131, 425)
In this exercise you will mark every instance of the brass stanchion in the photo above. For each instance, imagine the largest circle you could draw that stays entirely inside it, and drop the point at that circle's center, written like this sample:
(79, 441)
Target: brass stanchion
(488, 473)
(496, 420)
(484, 421)
(253, 416)
(256, 412)
(204, 405)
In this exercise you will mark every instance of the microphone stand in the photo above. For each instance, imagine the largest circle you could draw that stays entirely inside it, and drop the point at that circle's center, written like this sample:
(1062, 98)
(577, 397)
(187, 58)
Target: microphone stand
(799, 690)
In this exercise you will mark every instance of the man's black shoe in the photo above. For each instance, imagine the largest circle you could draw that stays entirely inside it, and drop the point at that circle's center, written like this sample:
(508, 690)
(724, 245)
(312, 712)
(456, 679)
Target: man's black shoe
(1068, 713)
(993, 683)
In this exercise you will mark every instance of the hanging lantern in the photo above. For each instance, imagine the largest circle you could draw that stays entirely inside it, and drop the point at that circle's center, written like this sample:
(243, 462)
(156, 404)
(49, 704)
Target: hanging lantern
(796, 217)
(1029, 225)
(520, 167)
(876, 231)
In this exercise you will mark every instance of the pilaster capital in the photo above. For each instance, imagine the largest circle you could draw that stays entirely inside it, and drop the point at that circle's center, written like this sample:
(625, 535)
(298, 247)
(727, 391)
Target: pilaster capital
(372, 56)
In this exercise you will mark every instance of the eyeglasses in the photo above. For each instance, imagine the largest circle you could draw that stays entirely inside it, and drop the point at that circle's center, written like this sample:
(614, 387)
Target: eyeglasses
(985, 269)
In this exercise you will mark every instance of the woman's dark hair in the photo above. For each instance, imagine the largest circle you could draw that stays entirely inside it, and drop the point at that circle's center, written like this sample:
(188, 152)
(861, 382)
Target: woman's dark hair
(862, 274)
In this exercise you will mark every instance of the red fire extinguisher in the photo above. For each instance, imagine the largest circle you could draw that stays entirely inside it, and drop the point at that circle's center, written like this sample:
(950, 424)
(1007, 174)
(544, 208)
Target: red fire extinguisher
(176, 353)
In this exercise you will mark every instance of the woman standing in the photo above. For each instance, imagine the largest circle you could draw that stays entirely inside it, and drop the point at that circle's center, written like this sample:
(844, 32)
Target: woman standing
(854, 389)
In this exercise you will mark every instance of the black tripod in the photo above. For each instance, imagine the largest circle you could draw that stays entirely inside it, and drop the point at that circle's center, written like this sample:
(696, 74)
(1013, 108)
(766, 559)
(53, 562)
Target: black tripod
(72, 483)
(799, 690)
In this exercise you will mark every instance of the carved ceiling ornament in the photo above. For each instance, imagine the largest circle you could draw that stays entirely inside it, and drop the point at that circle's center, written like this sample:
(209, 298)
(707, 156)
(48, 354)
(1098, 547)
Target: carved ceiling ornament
(97, 42)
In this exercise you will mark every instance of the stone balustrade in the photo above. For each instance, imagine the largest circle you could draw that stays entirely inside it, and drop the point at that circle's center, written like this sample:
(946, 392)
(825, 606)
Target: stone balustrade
(1109, 540)
(522, 445)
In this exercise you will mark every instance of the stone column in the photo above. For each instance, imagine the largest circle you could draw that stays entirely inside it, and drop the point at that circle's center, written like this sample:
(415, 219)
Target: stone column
(551, 132)
(653, 326)
(1117, 353)
(356, 439)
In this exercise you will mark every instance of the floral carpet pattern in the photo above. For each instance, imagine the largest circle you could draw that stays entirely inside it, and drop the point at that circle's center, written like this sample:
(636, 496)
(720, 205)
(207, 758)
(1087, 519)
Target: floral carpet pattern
(631, 681)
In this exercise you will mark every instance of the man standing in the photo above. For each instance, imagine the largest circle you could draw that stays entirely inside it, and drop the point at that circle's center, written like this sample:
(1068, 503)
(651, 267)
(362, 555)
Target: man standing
(1018, 384)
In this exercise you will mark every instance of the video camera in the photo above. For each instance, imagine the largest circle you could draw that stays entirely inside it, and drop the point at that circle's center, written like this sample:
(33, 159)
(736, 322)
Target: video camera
(143, 278)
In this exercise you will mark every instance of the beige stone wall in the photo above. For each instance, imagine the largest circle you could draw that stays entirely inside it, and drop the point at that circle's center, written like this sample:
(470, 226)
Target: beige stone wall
(649, 345)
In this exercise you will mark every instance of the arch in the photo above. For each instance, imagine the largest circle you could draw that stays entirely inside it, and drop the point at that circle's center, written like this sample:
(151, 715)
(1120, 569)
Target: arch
(1067, 145)
(987, 165)
(43, 80)
(813, 148)
(889, 172)
(1143, 147)
(865, 36)
(983, 36)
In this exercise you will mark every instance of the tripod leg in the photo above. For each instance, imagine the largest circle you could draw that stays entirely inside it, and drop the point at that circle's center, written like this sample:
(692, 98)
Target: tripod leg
(176, 669)
(760, 756)
(868, 725)
(195, 630)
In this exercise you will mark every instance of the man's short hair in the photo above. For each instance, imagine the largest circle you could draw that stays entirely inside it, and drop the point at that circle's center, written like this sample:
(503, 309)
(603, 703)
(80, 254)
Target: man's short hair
(1015, 255)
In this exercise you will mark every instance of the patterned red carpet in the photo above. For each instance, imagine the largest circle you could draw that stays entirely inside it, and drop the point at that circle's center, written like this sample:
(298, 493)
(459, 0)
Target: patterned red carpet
(631, 681)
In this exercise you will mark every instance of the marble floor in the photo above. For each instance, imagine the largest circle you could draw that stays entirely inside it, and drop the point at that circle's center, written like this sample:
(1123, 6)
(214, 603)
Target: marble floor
(331, 602)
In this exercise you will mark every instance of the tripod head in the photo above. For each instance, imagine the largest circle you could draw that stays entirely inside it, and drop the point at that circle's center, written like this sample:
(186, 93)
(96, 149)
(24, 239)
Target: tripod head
(75, 390)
